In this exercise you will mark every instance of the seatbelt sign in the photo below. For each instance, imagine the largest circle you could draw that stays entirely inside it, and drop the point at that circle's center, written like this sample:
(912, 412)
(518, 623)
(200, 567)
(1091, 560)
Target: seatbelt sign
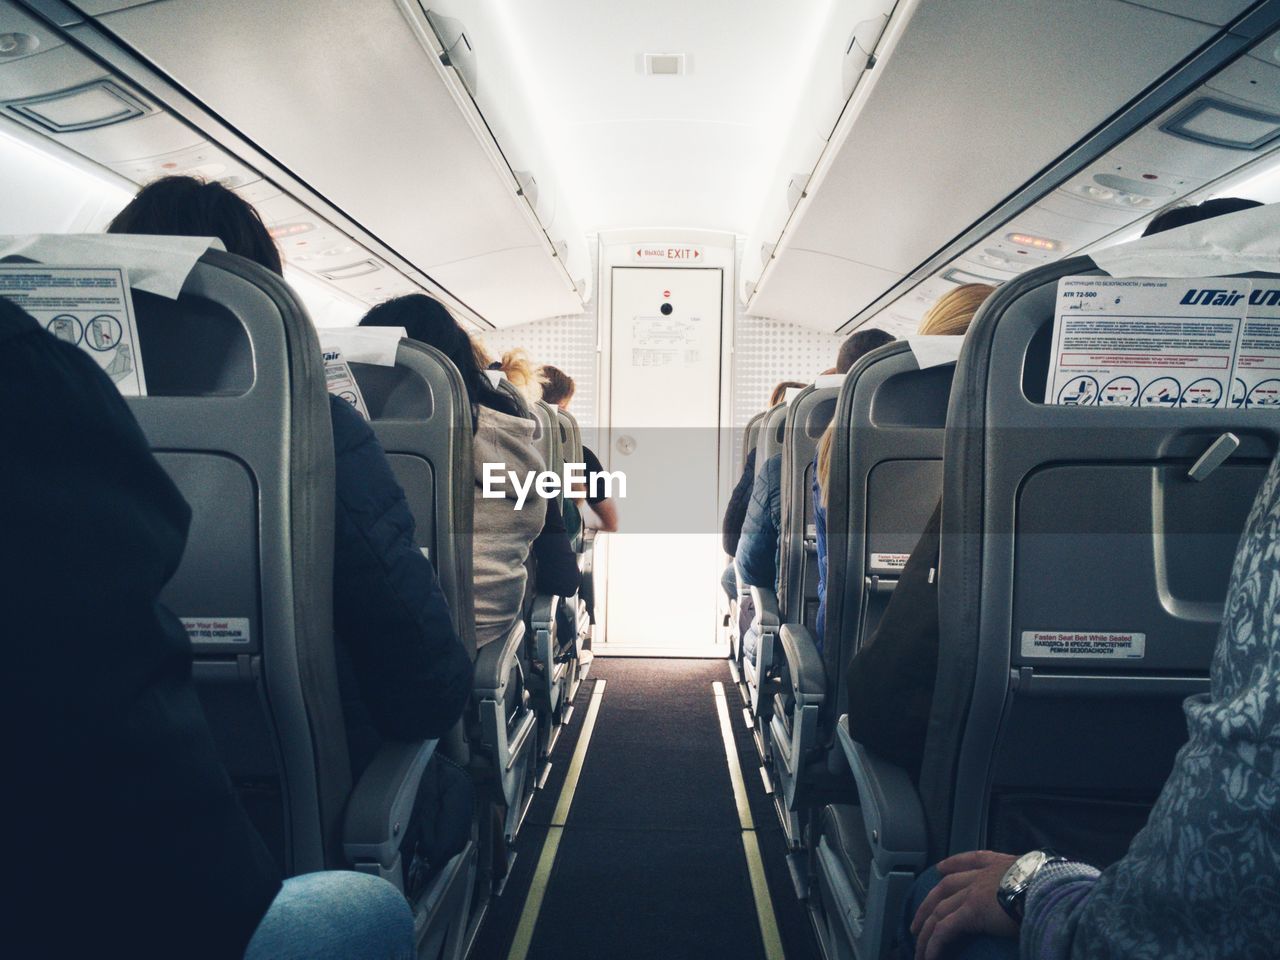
(1083, 645)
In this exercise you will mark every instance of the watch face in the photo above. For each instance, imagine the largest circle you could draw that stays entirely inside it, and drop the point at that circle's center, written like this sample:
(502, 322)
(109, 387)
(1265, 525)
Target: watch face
(1018, 875)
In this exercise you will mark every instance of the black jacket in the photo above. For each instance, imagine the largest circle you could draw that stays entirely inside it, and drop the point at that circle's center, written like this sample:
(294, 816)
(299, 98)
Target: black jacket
(891, 678)
(125, 834)
(736, 512)
(403, 672)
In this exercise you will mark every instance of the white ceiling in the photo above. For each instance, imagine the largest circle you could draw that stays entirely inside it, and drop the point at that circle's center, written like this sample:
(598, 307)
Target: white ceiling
(635, 151)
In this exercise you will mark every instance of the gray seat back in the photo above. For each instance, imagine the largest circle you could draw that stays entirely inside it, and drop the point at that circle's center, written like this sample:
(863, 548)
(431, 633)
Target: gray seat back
(885, 479)
(548, 437)
(570, 436)
(807, 417)
(751, 434)
(570, 452)
(772, 430)
(1071, 519)
(238, 415)
(419, 412)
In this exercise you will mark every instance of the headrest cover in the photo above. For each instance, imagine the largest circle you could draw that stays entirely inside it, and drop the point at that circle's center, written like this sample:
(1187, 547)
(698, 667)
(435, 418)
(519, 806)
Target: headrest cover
(158, 265)
(1235, 243)
(495, 377)
(363, 344)
(829, 381)
(935, 351)
(790, 394)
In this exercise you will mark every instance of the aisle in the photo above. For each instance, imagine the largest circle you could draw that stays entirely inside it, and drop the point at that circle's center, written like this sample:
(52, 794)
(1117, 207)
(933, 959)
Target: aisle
(644, 853)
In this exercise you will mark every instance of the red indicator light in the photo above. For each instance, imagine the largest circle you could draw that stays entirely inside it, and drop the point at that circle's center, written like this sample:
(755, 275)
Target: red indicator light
(1034, 243)
(283, 230)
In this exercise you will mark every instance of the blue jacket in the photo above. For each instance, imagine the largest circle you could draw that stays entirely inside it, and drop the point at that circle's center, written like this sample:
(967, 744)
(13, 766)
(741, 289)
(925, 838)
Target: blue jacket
(820, 525)
(757, 555)
(403, 672)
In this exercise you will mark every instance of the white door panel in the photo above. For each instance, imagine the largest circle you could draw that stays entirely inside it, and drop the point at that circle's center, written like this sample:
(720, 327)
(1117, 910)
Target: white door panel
(664, 435)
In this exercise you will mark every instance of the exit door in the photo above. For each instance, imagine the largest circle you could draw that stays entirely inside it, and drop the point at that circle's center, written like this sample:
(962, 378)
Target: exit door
(664, 417)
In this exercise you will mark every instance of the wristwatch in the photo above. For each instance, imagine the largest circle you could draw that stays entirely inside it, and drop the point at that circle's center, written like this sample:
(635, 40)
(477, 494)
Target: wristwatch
(1012, 892)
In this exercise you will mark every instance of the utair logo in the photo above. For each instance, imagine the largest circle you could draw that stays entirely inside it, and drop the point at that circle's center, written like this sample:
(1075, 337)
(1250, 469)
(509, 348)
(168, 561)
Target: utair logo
(1211, 298)
(1265, 297)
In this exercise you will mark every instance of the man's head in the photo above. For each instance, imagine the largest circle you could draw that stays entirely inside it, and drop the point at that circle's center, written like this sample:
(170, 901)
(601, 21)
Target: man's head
(1190, 213)
(864, 341)
(557, 386)
(187, 207)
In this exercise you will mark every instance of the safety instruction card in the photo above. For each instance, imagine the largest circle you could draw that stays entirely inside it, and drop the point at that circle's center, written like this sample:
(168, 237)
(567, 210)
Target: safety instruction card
(89, 307)
(1154, 342)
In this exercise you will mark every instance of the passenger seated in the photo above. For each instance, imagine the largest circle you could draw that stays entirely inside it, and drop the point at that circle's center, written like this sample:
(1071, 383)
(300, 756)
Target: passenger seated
(403, 672)
(128, 838)
(558, 389)
(515, 366)
(891, 677)
(736, 512)
(1202, 878)
(852, 350)
(503, 535)
(757, 554)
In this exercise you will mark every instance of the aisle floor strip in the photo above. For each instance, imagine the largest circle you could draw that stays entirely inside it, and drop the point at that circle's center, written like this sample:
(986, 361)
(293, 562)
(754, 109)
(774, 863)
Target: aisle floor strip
(769, 933)
(546, 860)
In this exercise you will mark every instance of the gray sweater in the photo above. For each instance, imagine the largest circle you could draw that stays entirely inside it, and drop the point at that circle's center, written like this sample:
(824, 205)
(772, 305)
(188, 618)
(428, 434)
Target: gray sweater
(502, 534)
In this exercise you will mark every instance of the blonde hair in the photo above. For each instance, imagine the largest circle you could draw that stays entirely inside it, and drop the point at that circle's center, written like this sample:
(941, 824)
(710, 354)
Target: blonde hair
(824, 459)
(954, 311)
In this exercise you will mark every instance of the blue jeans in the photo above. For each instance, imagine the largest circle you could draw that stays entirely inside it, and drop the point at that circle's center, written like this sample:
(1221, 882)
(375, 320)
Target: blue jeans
(968, 948)
(335, 915)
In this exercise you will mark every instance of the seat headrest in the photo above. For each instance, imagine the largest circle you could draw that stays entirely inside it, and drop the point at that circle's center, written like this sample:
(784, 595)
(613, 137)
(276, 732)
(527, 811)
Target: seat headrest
(158, 265)
(375, 345)
(934, 351)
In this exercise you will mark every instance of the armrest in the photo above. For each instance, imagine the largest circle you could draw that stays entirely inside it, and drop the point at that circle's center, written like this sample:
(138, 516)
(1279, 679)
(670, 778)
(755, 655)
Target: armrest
(493, 663)
(804, 663)
(543, 614)
(891, 810)
(766, 602)
(382, 802)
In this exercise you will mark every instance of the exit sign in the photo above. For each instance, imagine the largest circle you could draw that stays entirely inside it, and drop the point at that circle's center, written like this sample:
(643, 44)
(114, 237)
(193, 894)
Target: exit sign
(666, 253)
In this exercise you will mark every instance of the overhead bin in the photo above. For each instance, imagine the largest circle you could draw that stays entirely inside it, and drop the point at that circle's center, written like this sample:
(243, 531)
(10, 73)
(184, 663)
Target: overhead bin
(353, 99)
(475, 37)
(919, 157)
(1225, 129)
(848, 37)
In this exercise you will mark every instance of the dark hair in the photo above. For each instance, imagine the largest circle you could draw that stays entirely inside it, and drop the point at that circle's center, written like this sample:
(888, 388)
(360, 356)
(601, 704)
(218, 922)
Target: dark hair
(864, 341)
(557, 386)
(187, 207)
(1195, 212)
(427, 321)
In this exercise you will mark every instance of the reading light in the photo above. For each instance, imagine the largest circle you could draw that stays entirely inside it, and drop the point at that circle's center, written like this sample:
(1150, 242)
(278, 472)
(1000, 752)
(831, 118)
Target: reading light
(1032, 242)
(17, 44)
